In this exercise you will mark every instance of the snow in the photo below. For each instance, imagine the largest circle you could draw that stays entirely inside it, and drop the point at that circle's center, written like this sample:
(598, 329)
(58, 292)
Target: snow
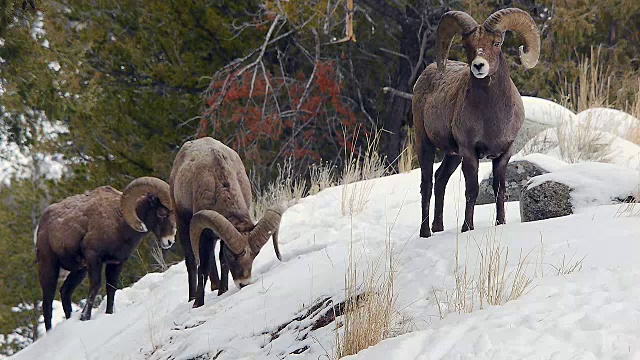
(545, 112)
(37, 29)
(617, 150)
(549, 113)
(610, 120)
(593, 183)
(54, 65)
(592, 314)
(20, 162)
(589, 314)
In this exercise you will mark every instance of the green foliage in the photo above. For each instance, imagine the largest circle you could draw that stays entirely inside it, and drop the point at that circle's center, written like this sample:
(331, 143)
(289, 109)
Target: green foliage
(20, 208)
(129, 81)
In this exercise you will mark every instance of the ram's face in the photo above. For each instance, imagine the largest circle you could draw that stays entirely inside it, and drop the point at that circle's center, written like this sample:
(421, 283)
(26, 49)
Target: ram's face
(483, 51)
(162, 222)
(240, 265)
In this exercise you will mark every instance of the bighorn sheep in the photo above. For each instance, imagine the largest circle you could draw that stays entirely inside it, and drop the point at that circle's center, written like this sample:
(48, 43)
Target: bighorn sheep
(211, 194)
(470, 110)
(82, 232)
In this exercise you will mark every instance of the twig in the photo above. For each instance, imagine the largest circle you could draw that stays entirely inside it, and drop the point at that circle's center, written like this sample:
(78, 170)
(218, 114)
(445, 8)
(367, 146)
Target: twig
(398, 93)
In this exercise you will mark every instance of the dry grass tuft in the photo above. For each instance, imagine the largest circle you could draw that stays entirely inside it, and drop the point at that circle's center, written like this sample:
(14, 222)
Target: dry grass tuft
(584, 142)
(322, 177)
(158, 256)
(286, 190)
(369, 314)
(408, 159)
(633, 133)
(495, 281)
(592, 87)
(358, 168)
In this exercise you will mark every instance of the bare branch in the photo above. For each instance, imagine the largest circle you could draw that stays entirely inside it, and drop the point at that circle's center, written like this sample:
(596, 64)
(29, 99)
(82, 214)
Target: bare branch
(416, 68)
(398, 93)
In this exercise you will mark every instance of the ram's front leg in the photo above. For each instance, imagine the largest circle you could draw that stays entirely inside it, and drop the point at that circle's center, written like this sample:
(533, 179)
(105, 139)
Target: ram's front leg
(426, 155)
(204, 268)
(112, 275)
(95, 281)
(224, 273)
(499, 183)
(213, 273)
(470, 171)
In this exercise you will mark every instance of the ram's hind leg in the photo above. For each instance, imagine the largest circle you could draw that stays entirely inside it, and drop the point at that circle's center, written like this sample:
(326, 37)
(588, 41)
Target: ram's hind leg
(448, 166)
(426, 155)
(70, 284)
(48, 270)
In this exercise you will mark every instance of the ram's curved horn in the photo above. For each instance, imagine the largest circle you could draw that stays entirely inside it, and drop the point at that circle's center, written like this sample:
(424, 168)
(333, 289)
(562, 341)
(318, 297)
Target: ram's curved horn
(521, 23)
(451, 23)
(136, 189)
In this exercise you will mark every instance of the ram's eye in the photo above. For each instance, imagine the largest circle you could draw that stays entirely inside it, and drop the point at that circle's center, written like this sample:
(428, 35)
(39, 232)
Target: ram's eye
(496, 44)
(163, 213)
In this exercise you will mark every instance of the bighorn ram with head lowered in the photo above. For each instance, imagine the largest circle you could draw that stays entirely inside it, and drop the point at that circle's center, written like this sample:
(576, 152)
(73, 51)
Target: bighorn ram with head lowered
(211, 194)
(82, 232)
(470, 110)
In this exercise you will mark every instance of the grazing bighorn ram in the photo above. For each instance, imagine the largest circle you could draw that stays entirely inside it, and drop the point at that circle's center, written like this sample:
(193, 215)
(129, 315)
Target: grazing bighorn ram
(103, 226)
(470, 110)
(211, 194)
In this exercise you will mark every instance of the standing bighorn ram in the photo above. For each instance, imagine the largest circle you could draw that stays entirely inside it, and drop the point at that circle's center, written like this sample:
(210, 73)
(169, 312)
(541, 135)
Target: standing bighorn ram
(82, 232)
(470, 110)
(211, 194)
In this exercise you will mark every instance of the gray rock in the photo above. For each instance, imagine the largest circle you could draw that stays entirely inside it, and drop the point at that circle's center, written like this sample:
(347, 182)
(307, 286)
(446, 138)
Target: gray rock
(528, 131)
(548, 200)
(518, 174)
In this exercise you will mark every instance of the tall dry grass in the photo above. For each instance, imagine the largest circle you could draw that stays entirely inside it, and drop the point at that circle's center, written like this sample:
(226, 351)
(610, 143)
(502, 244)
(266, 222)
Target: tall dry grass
(370, 314)
(359, 167)
(584, 142)
(494, 278)
(633, 134)
(592, 87)
(321, 177)
(285, 190)
(408, 159)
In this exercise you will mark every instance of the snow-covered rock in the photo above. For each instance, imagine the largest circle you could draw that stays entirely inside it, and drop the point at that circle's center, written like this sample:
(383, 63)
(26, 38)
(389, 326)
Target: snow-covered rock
(546, 200)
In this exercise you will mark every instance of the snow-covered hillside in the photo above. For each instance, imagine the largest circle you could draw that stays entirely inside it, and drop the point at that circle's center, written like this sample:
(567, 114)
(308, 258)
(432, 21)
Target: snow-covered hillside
(593, 313)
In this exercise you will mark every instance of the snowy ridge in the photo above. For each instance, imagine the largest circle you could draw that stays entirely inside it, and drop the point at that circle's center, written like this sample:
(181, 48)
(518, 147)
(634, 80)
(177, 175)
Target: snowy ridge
(591, 314)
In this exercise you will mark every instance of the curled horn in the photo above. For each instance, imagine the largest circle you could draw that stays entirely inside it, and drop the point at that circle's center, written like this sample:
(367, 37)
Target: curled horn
(209, 219)
(136, 189)
(266, 227)
(451, 23)
(521, 23)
